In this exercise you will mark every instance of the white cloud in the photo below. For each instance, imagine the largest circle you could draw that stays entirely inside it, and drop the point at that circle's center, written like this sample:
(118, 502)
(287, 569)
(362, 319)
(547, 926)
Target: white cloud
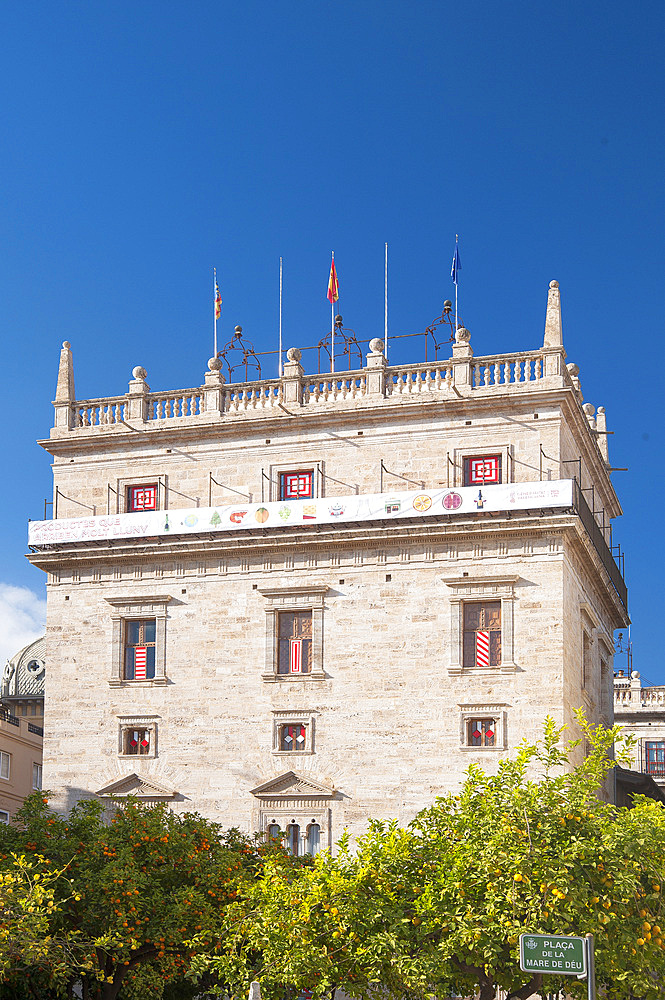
(22, 619)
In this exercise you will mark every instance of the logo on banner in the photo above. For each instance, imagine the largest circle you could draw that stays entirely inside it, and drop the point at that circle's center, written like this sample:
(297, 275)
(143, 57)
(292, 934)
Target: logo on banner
(237, 515)
(285, 513)
(452, 501)
(309, 512)
(262, 515)
(393, 507)
(336, 510)
(422, 502)
(480, 500)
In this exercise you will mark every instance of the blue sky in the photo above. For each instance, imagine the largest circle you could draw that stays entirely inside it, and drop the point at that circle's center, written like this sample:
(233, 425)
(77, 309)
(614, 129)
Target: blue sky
(145, 143)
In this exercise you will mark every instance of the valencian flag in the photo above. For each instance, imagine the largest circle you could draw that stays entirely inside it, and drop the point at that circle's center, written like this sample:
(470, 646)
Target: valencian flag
(333, 284)
(218, 302)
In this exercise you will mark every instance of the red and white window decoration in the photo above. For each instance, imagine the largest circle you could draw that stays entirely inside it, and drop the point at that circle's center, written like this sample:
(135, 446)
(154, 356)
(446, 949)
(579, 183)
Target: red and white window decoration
(296, 485)
(293, 737)
(294, 646)
(482, 634)
(142, 497)
(136, 742)
(140, 649)
(481, 732)
(482, 470)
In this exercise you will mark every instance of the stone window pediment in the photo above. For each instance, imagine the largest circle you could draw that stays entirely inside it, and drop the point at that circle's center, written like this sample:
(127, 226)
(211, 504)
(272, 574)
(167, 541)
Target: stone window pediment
(139, 785)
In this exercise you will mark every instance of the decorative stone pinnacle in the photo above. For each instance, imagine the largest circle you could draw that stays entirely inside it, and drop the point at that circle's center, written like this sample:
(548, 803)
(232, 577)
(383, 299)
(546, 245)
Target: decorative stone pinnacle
(64, 390)
(215, 364)
(462, 335)
(376, 345)
(139, 373)
(553, 329)
(294, 354)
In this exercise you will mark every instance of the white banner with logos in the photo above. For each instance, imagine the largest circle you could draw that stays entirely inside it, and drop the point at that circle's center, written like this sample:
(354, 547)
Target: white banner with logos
(302, 513)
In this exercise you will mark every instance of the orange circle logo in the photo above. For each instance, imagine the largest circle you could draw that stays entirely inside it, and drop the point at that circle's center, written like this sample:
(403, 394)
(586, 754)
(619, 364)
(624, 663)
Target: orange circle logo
(422, 502)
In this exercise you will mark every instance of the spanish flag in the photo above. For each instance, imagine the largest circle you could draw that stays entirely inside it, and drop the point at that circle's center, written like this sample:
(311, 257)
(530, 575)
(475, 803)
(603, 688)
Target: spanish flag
(218, 302)
(333, 284)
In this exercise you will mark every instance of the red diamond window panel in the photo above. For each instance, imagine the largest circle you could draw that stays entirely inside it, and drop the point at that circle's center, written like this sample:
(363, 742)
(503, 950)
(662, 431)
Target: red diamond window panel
(481, 732)
(296, 485)
(293, 737)
(482, 470)
(137, 741)
(142, 497)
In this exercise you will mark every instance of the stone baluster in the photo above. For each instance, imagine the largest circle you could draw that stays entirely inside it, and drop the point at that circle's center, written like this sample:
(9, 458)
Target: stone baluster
(462, 354)
(64, 390)
(376, 369)
(292, 377)
(213, 389)
(137, 396)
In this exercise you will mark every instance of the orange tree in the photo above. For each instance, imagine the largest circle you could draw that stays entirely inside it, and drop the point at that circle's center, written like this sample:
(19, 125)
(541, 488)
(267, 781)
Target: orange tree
(438, 908)
(149, 888)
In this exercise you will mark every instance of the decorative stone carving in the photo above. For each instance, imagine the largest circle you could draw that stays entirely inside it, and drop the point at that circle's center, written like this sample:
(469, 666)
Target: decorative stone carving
(139, 373)
(214, 364)
(294, 354)
(376, 345)
(553, 329)
(462, 335)
(139, 785)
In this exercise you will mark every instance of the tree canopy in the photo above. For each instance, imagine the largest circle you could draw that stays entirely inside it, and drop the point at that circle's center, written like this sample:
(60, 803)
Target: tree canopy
(437, 908)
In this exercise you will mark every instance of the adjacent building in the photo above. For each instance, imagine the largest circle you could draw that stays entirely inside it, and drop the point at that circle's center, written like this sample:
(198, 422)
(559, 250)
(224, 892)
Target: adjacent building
(300, 602)
(21, 726)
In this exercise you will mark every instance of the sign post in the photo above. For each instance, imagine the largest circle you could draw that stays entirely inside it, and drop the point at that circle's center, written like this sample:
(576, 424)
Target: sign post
(590, 968)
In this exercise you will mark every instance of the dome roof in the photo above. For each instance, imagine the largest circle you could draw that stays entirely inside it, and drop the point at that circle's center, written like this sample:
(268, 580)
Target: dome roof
(23, 675)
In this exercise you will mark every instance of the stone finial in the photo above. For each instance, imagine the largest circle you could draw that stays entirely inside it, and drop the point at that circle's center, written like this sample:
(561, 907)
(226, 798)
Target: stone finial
(601, 427)
(574, 372)
(462, 335)
(553, 330)
(376, 345)
(215, 364)
(139, 373)
(293, 354)
(589, 410)
(64, 390)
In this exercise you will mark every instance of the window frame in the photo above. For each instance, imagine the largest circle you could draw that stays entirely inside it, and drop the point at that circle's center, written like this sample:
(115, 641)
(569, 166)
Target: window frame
(5, 755)
(4, 816)
(466, 468)
(293, 599)
(285, 717)
(466, 607)
(130, 509)
(126, 609)
(283, 476)
(37, 787)
(482, 589)
(142, 643)
(646, 745)
(460, 456)
(279, 469)
(123, 485)
(127, 723)
(472, 712)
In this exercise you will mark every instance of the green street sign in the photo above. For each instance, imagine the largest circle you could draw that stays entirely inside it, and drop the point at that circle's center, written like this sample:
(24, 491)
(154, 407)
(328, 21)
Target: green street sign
(555, 954)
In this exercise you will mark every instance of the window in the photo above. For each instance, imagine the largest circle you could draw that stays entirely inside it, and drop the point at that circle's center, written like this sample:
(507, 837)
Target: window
(586, 658)
(294, 635)
(480, 732)
(140, 649)
(274, 832)
(313, 838)
(4, 816)
(36, 775)
(483, 727)
(137, 735)
(138, 623)
(296, 485)
(292, 738)
(654, 758)
(294, 648)
(482, 634)
(293, 839)
(482, 470)
(136, 742)
(5, 762)
(142, 497)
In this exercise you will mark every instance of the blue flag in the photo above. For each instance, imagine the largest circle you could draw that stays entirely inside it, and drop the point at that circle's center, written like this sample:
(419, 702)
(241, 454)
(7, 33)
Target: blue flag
(456, 266)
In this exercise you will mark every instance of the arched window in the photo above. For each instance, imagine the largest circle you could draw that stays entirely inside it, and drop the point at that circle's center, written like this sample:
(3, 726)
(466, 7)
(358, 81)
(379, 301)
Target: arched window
(293, 839)
(313, 838)
(274, 832)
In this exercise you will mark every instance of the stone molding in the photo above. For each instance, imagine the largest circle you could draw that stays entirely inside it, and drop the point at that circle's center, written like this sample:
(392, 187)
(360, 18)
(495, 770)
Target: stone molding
(139, 785)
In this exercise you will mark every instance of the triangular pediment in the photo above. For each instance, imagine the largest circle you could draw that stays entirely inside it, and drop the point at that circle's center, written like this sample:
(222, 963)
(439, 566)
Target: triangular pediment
(292, 785)
(140, 786)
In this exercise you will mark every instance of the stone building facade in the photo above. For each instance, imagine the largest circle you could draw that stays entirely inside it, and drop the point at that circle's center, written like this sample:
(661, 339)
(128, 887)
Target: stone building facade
(305, 601)
(640, 709)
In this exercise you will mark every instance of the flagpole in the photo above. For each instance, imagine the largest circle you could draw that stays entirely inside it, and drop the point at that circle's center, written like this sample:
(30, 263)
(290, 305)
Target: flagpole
(214, 312)
(332, 330)
(279, 370)
(456, 239)
(385, 306)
